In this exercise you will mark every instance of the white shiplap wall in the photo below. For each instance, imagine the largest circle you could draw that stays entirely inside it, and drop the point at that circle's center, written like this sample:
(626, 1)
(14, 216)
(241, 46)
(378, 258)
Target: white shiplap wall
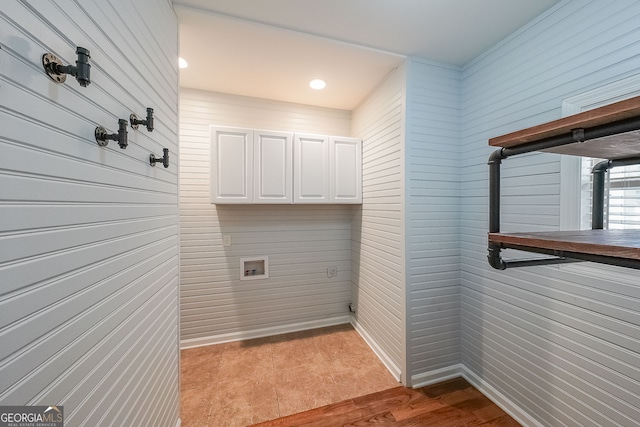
(433, 219)
(301, 241)
(89, 235)
(378, 228)
(561, 345)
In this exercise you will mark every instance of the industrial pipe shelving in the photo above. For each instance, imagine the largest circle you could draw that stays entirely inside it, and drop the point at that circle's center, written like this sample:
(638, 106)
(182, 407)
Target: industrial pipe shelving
(611, 132)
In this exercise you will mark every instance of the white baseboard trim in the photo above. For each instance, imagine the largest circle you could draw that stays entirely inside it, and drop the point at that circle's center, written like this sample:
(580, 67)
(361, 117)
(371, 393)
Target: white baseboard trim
(459, 370)
(382, 355)
(263, 332)
(517, 413)
(437, 375)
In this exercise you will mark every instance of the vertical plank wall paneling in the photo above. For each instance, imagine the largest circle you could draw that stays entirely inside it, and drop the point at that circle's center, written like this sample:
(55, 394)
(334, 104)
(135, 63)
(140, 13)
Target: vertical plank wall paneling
(433, 220)
(562, 344)
(301, 241)
(378, 229)
(89, 234)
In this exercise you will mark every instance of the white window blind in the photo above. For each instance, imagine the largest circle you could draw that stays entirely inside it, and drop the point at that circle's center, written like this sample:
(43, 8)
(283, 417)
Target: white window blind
(622, 196)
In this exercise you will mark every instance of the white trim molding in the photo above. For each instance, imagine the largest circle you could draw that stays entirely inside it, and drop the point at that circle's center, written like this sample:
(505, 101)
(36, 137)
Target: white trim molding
(613, 92)
(459, 370)
(384, 358)
(437, 375)
(504, 402)
(263, 332)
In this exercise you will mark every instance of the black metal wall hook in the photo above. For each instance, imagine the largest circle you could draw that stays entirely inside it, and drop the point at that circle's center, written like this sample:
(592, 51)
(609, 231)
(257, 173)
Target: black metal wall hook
(58, 72)
(103, 138)
(133, 119)
(164, 159)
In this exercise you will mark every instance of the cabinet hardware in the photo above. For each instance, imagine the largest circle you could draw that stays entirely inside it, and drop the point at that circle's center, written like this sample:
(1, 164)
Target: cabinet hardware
(58, 72)
(133, 119)
(103, 138)
(164, 159)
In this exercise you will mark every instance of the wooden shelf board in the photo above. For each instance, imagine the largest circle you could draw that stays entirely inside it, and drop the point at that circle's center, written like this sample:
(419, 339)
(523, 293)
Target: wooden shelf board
(620, 146)
(609, 113)
(615, 243)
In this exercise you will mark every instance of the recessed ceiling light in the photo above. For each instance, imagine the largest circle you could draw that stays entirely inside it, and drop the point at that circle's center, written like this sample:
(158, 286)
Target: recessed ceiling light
(182, 63)
(317, 84)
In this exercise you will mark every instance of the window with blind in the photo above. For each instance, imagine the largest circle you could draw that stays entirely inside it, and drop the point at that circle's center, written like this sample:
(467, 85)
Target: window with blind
(622, 192)
(622, 196)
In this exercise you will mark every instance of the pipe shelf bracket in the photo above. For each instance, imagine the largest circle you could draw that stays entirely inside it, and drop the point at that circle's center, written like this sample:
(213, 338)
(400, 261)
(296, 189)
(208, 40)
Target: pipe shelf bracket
(58, 73)
(164, 159)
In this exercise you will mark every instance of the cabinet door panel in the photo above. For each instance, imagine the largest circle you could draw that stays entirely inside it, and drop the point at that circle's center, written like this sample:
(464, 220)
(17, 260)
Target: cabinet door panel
(346, 170)
(311, 169)
(273, 158)
(231, 165)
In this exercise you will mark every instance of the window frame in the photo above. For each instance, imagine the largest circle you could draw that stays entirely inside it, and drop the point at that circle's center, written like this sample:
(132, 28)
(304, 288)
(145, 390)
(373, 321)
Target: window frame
(570, 168)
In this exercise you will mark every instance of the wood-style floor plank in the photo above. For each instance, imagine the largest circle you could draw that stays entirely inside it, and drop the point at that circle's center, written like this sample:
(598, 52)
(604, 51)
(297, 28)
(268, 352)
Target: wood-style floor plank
(453, 403)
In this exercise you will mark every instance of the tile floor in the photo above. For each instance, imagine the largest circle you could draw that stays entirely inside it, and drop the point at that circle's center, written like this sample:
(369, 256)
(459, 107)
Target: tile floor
(247, 382)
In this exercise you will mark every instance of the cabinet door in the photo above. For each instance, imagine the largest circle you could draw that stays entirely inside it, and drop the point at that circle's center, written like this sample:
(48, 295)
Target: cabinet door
(231, 165)
(311, 169)
(345, 169)
(273, 159)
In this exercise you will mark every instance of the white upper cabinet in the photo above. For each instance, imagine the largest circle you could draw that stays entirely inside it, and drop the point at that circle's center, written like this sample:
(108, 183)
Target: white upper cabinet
(345, 175)
(251, 166)
(255, 166)
(273, 168)
(327, 169)
(231, 165)
(311, 169)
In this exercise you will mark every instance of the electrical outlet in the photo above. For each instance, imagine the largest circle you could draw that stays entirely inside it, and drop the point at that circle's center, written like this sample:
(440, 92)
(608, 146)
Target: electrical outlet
(332, 271)
(226, 240)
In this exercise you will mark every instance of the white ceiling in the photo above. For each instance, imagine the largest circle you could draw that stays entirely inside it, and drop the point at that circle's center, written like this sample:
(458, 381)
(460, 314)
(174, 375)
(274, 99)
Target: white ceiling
(273, 48)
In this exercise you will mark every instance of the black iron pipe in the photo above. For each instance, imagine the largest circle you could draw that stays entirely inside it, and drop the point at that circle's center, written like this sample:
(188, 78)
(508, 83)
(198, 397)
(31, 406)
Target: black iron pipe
(102, 137)
(496, 261)
(164, 159)
(494, 258)
(580, 256)
(494, 190)
(624, 162)
(614, 128)
(599, 172)
(543, 144)
(536, 262)
(149, 120)
(122, 133)
(576, 135)
(81, 71)
(603, 259)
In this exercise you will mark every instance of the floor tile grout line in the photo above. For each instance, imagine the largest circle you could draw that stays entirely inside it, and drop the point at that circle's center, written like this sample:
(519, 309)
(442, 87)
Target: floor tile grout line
(332, 372)
(274, 377)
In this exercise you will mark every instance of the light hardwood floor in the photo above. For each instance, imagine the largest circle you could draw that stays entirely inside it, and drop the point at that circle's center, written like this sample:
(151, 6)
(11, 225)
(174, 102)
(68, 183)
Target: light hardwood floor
(453, 403)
